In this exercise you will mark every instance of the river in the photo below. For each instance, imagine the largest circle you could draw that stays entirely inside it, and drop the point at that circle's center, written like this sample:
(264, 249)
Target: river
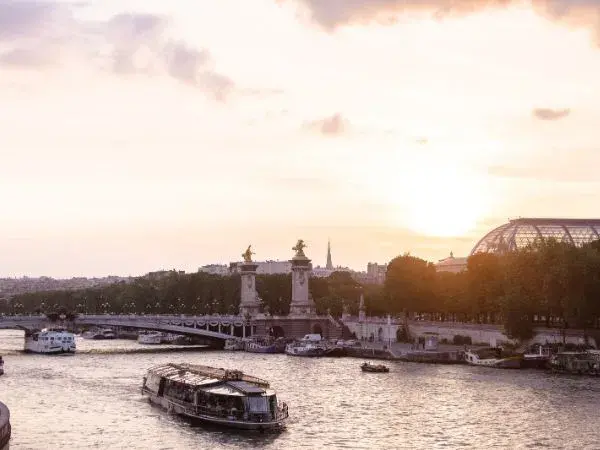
(92, 400)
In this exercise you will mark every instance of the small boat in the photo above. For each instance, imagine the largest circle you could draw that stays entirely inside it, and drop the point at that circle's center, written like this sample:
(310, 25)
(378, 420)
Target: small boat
(1, 365)
(538, 357)
(105, 333)
(150, 337)
(54, 340)
(217, 396)
(366, 367)
(495, 357)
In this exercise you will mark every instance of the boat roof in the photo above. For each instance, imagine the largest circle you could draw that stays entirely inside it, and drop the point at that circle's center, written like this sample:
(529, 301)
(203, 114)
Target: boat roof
(197, 375)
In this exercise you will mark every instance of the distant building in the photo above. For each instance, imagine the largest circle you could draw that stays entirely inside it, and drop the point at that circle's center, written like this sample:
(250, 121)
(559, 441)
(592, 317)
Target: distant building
(215, 269)
(329, 265)
(265, 267)
(451, 264)
(376, 273)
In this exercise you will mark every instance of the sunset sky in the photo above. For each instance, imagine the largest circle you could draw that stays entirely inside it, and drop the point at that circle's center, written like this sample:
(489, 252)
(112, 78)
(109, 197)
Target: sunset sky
(141, 135)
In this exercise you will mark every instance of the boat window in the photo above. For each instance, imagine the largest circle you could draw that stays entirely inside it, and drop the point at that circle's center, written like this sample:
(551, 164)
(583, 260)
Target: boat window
(258, 404)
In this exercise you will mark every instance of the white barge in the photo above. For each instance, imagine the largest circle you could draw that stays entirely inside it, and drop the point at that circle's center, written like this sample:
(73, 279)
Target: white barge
(217, 396)
(53, 340)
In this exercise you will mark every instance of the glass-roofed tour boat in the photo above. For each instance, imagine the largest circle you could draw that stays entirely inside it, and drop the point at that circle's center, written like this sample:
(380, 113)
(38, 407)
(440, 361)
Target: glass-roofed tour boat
(217, 396)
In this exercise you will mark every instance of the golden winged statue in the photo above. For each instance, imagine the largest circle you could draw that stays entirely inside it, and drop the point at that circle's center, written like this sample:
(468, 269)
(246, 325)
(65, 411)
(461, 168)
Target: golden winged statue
(300, 246)
(247, 255)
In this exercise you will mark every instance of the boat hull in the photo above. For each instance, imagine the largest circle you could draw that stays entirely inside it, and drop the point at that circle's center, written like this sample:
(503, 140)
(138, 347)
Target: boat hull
(175, 408)
(310, 353)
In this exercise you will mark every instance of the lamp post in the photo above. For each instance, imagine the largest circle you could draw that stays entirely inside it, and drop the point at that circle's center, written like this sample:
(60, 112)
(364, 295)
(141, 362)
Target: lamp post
(389, 333)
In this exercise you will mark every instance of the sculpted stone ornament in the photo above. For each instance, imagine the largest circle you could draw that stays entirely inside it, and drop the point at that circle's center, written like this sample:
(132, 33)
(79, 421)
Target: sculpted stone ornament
(300, 246)
(247, 255)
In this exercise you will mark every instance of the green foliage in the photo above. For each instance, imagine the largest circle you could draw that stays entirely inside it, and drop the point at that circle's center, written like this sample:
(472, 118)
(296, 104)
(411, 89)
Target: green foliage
(548, 281)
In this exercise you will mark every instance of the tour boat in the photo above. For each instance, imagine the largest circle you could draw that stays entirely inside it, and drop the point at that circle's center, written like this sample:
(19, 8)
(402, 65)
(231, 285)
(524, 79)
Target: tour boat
(366, 367)
(50, 340)
(150, 337)
(493, 357)
(105, 333)
(1, 365)
(217, 396)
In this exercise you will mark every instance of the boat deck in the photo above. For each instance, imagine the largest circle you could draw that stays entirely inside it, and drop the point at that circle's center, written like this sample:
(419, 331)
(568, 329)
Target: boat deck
(197, 374)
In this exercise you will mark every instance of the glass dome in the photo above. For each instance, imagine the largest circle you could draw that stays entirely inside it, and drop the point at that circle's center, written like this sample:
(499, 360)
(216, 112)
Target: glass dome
(519, 233)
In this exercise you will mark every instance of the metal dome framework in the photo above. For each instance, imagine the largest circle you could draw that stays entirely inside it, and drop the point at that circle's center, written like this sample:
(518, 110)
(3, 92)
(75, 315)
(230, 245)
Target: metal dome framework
(519, 233)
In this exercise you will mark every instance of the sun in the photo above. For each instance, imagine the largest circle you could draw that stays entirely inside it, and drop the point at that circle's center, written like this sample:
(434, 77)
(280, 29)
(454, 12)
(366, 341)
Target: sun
(441, 201)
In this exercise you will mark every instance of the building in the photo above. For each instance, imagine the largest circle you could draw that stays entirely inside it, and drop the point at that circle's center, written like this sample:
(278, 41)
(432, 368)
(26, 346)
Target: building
(376, 273)
(451, 264)
(264, 267)
(215, 269)
(329, 265)
(519, 233)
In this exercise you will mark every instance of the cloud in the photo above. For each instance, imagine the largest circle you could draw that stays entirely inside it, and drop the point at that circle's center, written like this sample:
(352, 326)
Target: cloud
(330, 14)
(37, 33)
(550, 114)
(329, 126)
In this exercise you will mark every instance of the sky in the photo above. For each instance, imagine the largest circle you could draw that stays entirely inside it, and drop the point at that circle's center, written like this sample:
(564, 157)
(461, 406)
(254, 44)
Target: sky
(147, 135)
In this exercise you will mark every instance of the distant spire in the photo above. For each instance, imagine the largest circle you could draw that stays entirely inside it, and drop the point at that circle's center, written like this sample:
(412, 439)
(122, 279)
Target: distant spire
(329, 265)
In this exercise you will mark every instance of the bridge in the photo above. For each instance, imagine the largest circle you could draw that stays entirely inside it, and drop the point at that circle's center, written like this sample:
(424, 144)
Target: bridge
(214, 327)
(211, 327)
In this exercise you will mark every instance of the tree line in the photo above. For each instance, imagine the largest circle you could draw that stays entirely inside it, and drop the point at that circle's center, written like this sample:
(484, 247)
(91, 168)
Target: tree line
(174, 292)
(547, 283)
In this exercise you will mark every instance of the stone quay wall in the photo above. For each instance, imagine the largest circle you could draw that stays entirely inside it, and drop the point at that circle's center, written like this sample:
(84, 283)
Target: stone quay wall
(4, 426)
(490, 334)
(379, 330)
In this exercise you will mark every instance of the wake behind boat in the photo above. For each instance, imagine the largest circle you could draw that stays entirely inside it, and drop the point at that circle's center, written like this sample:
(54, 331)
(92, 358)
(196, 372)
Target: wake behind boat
(217, 396)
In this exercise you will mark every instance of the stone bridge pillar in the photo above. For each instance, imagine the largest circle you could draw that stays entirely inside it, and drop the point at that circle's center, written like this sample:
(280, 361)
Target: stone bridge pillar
(249, 303)
(302, 303)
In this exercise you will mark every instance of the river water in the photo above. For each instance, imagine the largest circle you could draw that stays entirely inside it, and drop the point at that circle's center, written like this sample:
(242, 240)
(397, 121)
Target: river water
(92, 400)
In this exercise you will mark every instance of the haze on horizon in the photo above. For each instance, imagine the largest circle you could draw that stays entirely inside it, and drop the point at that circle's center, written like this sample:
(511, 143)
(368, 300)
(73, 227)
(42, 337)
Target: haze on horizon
(140, 135)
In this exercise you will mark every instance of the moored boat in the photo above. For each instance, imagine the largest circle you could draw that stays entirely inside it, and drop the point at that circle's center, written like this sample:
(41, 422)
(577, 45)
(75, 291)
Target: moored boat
(538, 357)
(105, 333)
(217, 396)
(234, 344)
(493, 357)
(265, 345)
(577, 362)
(310, 345)
(53, 340)
(150, 337)
(367, 367)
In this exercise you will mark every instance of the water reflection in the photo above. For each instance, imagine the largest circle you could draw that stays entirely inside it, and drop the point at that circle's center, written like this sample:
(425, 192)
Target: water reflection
(92, 400)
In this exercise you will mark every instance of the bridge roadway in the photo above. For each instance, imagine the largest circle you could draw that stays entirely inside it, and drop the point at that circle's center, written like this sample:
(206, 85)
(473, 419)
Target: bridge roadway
(188, 325)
